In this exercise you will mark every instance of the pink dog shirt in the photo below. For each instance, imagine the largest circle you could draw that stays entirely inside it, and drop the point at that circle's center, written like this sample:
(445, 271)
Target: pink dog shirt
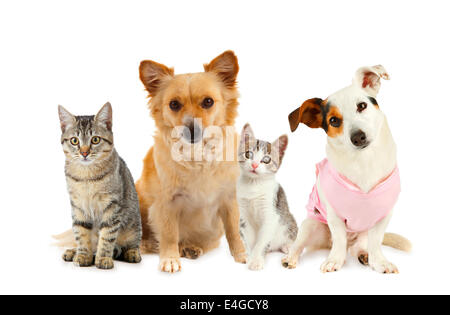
(360, 211)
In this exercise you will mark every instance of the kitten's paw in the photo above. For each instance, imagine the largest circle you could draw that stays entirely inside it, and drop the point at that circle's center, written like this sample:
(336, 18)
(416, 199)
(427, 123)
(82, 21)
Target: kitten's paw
(132, 256)
(104, 263)
(383, 266)
(83, 260)
(332, 265)
(170, 265)
(69, 255)
(289, 262)
(256, 264)
(191, 252)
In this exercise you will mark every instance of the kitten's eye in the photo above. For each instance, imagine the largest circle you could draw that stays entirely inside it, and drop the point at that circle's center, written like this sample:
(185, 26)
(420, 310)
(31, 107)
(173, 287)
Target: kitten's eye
(361, 107)
(266, 159)
(74, 141)
(207, 103)
(175, 105)
(249, 155)
(335, 122)
(95, 140)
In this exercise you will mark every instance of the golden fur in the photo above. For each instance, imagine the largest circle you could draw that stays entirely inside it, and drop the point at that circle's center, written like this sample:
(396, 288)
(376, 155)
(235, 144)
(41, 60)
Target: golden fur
(187, 206)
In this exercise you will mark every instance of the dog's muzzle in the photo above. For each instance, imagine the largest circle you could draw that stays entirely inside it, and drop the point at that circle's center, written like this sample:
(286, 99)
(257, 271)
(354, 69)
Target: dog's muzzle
(192, 133)
(359, 139)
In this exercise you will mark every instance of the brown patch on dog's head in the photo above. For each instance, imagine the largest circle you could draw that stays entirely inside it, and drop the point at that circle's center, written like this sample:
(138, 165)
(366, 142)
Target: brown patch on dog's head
(210, 96)
(318, 113)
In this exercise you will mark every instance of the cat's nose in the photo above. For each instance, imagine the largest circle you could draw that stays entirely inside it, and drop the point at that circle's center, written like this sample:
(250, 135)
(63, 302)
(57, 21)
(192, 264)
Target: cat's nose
(255, 165)
(84, 151)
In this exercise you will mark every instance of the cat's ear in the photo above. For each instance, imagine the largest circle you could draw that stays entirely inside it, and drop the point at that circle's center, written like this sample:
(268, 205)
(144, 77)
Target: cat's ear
(281, 145)
(247, 134)
(152, 74)
(66, 119)
(104, 116)
(226, 67)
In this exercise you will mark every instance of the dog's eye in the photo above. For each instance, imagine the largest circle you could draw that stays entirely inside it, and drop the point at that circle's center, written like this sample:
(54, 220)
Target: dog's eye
(74, 141)
(266, 159)
(335, 122)
(175, 105)
(249, 155)
(362, 106)
(207, 103)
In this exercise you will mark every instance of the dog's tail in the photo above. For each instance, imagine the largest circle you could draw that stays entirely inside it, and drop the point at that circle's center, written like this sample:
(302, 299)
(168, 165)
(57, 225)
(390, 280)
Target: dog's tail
(397, 241)
(65, 240)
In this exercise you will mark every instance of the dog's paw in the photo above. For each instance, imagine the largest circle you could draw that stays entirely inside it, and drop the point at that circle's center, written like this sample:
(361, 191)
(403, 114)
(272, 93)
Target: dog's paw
(83, 260)
(256, 263)
(383, 266)
(289, 262)
(240, 258)
(332, 265)
(363, 258)
(132, 256)
(191, 252)
(104, 263)
(69, 255)
(170, 265)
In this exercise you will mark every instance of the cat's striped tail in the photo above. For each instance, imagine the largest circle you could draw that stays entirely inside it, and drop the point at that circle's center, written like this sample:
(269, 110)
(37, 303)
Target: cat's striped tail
(65, 240)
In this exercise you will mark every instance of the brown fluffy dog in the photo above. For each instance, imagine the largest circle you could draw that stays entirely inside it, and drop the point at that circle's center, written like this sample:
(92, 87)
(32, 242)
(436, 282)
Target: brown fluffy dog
(187, 205)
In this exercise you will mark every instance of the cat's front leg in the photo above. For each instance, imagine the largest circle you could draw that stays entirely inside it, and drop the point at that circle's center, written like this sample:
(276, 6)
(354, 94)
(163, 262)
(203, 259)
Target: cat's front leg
(264, 237)
(82, 229)
(109, 231)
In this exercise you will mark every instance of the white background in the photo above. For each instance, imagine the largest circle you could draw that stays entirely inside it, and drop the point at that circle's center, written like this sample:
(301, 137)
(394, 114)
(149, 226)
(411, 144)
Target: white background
(82, 54)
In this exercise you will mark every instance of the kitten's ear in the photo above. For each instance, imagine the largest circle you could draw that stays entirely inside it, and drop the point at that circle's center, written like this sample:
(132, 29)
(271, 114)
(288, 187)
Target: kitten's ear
(152, 74)
(66, 119)
(226, 67)
(104, 116)
(247, 134)
(281, 145)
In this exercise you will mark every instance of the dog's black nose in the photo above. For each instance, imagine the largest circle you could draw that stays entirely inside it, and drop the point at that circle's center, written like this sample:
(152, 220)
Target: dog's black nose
(359, 138)
(192, 133)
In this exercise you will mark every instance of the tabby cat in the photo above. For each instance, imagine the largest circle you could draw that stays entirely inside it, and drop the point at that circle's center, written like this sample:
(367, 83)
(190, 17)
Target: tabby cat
(266, 223)
(105, 208)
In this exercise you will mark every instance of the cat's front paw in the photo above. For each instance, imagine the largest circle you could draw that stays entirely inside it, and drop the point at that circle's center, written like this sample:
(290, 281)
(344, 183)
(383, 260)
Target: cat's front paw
(104, 263)
(83, 260)
(170, 265)
(133, 256)
(69, 255)
(256, 263)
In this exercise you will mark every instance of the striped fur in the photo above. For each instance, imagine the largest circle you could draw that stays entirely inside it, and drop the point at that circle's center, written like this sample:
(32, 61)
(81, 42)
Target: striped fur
(105, 208)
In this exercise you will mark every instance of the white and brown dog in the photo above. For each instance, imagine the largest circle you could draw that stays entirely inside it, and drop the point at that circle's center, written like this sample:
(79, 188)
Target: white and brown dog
(358, 184)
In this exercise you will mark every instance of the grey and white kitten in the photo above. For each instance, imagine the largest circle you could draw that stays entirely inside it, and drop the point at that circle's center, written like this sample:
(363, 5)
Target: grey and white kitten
(266, 223)
(106, 221)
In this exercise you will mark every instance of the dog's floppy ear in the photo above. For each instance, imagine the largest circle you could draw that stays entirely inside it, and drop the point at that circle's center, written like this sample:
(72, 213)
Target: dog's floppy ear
(310, 113)
(152, 74)
(368, 78)
(226, 67)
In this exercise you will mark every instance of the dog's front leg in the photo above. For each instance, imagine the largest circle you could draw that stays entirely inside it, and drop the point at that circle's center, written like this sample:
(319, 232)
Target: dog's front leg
(375, 239)
(166, 219)
(338, 253)
(229, 213)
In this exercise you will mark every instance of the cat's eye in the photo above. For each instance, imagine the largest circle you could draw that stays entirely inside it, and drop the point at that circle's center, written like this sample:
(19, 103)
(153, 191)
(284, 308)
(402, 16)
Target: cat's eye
(95, 140)
(249, 155)
(335, 122)
(175, 105)
(207, 103)
(74, 141)
(267, 159)
(361, 107)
